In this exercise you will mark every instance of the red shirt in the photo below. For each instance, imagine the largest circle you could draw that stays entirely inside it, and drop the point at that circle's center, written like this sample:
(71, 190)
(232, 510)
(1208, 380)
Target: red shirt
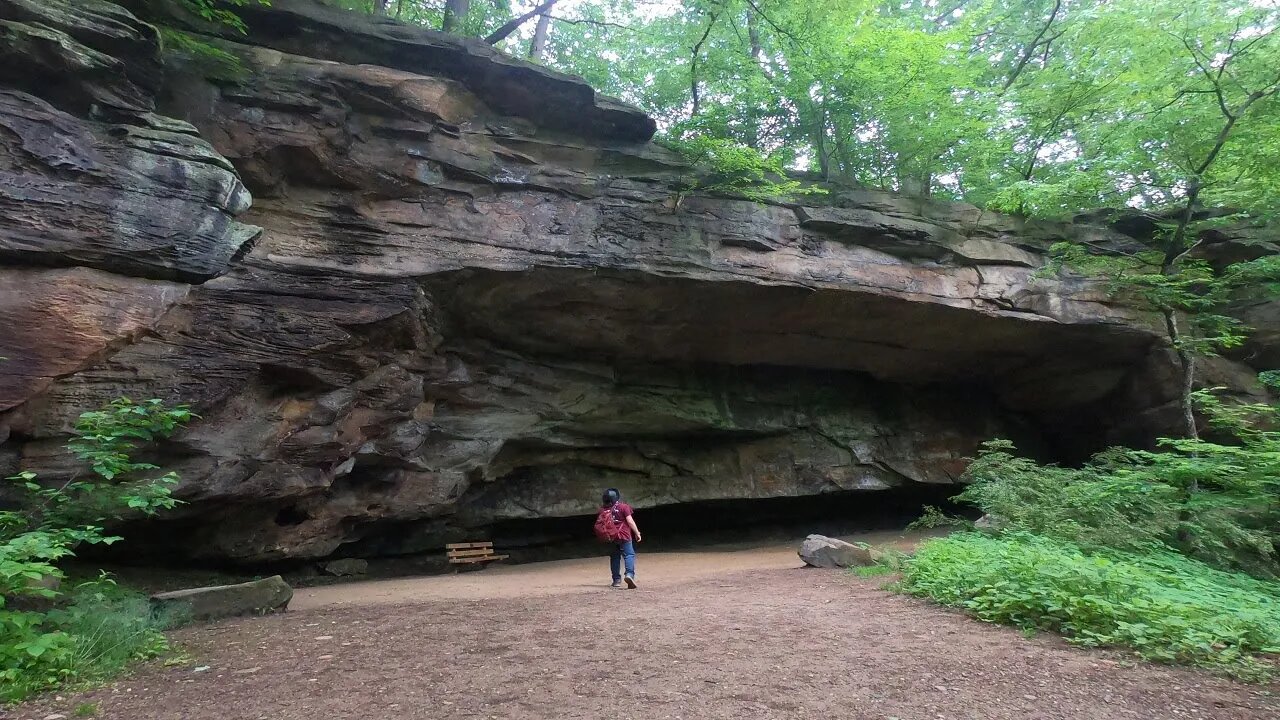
(624, 511)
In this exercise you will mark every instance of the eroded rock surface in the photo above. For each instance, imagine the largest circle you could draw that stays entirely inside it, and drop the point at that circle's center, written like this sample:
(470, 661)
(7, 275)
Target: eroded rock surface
(474, 299)
(107, 209)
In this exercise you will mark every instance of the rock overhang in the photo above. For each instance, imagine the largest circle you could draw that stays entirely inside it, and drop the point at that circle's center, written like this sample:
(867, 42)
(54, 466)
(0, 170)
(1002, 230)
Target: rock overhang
(466, 307)
(642, 317)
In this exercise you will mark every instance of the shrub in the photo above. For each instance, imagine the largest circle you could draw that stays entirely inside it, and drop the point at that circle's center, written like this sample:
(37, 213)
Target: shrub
(1216, 502)
(932, 518)
(93, 632)
(1163, 606)
(215, 12)
(109, 627)
(726, 167)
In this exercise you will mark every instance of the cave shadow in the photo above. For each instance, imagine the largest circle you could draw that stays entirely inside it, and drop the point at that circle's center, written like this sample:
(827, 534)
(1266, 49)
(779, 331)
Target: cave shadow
(726, 525)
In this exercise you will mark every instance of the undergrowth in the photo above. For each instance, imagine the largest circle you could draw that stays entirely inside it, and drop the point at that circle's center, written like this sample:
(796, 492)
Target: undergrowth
(866, 571)
(1164, 606)
(93, 635)
(1171, 553)
(725, 167)
(207, 59)
(49, 636)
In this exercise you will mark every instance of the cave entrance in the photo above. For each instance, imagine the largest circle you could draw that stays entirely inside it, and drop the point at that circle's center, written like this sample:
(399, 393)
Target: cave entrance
(726, 523)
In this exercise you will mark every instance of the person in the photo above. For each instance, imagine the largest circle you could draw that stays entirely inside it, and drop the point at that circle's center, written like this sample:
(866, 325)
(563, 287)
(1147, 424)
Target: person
(624, 551)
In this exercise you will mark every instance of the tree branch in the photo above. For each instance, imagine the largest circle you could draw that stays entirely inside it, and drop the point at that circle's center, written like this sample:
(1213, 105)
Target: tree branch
(945, 16)
(1216, 86)
(597, 23)
(514, 24)
(1029, 51)
(693, 66)
(776, 27)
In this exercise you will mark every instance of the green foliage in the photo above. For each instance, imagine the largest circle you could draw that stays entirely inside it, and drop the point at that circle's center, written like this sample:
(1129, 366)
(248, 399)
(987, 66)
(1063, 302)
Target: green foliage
(1171, 552)
(725, 167)
(215, 11)
(1187, 286)
(109, 628)
(932, 518)
(97, 630)
(94, 634)
(481, 18)
(1040, 107)
(212, 61)
(1033, 106)
(866, 571)
(1270, 378)
(120, 487)
(1165, 607)
(1219, 503)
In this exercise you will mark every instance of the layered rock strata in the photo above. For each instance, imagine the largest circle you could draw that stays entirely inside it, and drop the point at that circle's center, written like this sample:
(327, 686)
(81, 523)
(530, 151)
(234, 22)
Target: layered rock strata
(463, 292)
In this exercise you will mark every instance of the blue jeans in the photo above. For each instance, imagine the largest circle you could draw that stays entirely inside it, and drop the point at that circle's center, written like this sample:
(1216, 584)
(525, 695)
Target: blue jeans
(623, 551)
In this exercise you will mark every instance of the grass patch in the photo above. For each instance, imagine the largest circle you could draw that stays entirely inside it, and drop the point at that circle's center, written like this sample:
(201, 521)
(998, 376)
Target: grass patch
(111, 628)
(866, 571)
(1163, 606)
(95, 635)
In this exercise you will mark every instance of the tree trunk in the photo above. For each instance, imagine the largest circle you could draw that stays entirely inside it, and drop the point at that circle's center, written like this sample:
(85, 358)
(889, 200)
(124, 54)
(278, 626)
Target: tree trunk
(819, 139)
(1188, 362)
(455, 14)
(694, 53)
(1178, 247)
(916, 186)
(538, 46)
(752, 120)
(380, 6)
(1187, 384)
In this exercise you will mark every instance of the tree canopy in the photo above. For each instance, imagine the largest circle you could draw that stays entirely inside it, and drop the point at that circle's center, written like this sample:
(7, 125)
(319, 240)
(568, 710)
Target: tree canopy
(1043, 107)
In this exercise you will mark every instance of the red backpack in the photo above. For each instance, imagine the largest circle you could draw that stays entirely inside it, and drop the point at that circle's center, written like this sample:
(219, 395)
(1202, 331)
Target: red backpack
(609, 527)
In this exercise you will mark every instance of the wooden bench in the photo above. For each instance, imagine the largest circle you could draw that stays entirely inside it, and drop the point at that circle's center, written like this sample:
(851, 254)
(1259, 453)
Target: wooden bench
(471, 553)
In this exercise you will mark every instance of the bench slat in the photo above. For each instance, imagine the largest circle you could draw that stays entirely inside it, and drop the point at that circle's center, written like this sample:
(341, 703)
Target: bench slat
(470, 553)
(469, 561)
(468, 545)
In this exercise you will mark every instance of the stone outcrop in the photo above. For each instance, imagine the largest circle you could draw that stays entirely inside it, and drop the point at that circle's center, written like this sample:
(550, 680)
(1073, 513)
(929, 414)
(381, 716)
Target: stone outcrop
(110, 210)
(821, 551)
(462, 293)
(258, 597)
(344, 567)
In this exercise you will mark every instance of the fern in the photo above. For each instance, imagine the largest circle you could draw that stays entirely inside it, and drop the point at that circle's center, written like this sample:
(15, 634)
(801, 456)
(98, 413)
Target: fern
(725, 167)
(210, 60)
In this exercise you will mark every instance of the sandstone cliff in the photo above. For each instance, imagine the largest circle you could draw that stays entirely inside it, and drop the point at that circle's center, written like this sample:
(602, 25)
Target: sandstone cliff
(415, 287)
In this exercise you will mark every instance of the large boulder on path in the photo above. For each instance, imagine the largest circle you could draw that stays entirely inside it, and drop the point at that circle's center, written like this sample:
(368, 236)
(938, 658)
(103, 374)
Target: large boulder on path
(824, 552)
(258, 597)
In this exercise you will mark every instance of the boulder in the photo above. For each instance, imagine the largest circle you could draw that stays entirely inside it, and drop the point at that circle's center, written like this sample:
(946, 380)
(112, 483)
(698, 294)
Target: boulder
(990, 523)
(258, 597)
(346, 566)
(824, 552)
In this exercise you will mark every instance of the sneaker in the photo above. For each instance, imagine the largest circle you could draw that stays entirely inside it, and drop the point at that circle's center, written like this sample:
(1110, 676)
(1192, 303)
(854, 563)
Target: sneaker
(631, 582)
(617, 585)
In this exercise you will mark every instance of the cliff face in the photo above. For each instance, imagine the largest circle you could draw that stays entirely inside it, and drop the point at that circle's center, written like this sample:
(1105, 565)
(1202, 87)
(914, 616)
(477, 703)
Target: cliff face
(464, 294)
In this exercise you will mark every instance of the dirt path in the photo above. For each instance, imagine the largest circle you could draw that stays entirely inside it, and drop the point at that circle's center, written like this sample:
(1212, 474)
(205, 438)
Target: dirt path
(570, 576)
(703, 638)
